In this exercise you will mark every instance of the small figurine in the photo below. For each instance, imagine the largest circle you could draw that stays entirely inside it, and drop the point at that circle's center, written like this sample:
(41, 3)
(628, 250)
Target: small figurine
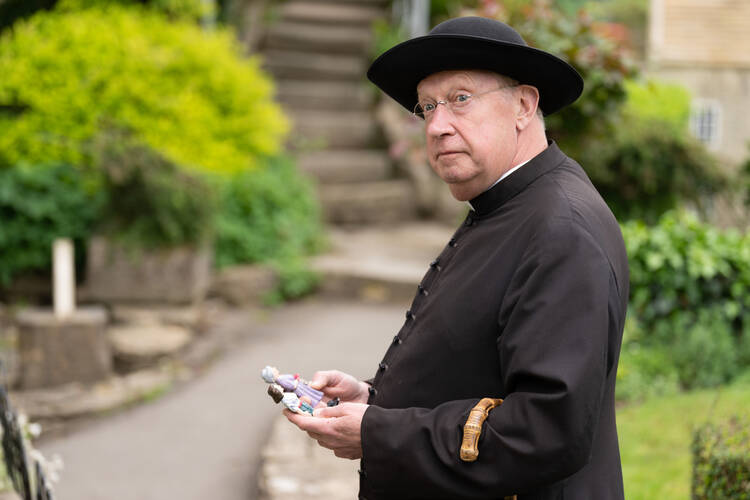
(289, 389)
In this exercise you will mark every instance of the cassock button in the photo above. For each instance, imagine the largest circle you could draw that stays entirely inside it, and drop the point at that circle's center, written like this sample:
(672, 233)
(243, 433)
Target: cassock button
(372, 390)
(469, 221)
(453, 243)
(435, 264)
(362, 473)
(383, 366)
(410, 315)
(422, 290)
(396, 340)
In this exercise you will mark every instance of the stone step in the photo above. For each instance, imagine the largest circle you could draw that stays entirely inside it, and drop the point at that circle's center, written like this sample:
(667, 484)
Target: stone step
(339, 130)
(359, 13)
(331, 39)
(380, 262)
(285, 64)
(376, 3)
(303, 95)
(342, 166)
(382, 202)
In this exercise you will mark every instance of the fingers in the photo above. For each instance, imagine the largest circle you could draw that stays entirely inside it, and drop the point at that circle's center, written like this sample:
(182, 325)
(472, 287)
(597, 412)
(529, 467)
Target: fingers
(330, 411)
(324, 379)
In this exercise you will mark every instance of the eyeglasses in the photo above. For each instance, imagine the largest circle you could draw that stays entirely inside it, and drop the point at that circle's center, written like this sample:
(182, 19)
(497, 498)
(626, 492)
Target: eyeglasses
(458, 103)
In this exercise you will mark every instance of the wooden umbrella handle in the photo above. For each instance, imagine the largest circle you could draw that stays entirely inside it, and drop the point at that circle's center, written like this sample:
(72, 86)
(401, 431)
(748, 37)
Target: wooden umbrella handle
(473, 428)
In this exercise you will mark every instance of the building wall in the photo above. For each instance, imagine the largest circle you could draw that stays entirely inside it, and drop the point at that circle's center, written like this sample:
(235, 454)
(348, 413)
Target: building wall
(730, 89)
(706, 32)
(704, 45)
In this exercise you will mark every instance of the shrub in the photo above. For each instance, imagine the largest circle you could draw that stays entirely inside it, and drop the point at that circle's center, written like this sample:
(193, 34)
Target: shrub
(149, 201)
(744, 180)
(650, 164)
(645, 370)
(187, 9)
(721, 461)
(690, 291)
(647, 170)
(186, 93)
(270, 215)
(39, 203)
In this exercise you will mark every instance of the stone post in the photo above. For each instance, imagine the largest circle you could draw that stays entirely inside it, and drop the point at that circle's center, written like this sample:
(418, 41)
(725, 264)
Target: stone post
(55, 351)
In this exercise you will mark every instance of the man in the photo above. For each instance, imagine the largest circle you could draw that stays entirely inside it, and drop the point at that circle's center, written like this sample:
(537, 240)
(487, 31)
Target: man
(526, 303)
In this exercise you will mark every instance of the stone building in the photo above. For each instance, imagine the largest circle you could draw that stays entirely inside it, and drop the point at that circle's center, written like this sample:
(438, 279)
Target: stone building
(704, 45)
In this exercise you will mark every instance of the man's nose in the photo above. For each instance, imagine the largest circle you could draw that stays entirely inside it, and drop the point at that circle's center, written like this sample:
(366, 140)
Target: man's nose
(441, 121)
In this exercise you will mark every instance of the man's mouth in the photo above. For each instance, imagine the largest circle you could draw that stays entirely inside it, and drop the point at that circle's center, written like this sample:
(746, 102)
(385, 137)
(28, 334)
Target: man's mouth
(448, 153)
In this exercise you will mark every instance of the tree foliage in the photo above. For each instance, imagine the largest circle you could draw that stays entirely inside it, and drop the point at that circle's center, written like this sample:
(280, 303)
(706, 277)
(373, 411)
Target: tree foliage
(39, 203)
(186, 93)
(635, 153)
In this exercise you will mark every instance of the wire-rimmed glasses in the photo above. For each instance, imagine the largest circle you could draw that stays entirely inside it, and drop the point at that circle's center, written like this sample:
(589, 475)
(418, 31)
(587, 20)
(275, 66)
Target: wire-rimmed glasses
(457, 103)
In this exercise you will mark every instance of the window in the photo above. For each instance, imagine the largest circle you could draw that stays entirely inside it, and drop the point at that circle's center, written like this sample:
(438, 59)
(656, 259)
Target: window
(705, 122)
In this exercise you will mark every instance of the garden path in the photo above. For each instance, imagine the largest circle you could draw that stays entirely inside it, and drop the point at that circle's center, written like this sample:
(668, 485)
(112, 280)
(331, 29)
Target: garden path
(204, 440)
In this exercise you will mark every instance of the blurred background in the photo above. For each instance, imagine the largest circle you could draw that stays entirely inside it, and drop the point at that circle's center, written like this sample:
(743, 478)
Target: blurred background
(205, 158)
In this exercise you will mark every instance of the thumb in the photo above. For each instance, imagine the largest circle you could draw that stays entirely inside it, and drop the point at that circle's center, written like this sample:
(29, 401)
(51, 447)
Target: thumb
(322, 379)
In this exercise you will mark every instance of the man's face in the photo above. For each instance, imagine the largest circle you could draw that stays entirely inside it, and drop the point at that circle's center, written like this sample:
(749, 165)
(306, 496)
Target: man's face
(469, 149)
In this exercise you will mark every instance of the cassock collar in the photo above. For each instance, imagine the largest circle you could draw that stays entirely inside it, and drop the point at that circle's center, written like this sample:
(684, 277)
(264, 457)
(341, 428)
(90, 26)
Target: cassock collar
(506, 189)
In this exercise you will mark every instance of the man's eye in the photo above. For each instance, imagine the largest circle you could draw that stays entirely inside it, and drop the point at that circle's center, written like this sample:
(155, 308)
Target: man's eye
(428, 107)
(462, 98)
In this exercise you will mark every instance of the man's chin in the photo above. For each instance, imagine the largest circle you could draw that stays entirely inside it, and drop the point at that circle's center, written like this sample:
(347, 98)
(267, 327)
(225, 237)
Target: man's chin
(462, 192)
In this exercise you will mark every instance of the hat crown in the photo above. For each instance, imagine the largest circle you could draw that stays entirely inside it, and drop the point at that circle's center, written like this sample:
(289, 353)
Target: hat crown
(479, 27)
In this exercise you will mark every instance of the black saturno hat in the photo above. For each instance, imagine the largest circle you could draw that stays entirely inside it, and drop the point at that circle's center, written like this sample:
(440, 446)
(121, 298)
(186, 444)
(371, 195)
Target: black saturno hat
(475, 43)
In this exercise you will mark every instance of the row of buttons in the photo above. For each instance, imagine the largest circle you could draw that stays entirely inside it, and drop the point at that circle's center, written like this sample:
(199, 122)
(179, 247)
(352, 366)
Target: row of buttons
(410, 316)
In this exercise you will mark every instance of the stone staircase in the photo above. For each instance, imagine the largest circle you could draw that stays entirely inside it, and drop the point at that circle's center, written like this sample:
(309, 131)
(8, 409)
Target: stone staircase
(318, 52)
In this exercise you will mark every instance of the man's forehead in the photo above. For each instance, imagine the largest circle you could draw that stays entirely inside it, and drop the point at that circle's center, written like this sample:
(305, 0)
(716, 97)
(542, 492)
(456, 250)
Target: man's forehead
(452, 78)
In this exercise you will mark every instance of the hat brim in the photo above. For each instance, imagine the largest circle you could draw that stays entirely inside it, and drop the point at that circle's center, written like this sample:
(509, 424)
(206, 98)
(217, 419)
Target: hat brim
(398, 71)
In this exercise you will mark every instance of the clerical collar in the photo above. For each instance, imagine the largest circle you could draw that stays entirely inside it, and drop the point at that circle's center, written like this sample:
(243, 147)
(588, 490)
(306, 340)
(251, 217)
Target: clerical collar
(500, 192)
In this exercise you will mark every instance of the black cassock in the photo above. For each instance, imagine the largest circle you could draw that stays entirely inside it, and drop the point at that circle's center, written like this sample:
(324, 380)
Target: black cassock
(526, 303)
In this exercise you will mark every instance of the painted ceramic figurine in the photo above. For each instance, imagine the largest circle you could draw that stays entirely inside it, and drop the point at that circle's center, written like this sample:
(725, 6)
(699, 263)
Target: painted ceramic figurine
(288, 389)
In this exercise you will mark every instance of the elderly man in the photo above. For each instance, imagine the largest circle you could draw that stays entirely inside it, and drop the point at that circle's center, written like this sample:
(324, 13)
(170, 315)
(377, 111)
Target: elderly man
(501, 381)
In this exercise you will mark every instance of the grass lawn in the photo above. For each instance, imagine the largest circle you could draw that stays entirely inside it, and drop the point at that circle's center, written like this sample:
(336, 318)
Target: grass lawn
(655, 438)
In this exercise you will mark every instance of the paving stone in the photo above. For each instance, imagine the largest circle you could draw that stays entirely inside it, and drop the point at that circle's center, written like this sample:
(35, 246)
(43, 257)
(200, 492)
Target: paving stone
(75, 399)
(307, 95)
(294, 64)
(294, 464)
(245, 285)
(138, 346)
(332, 39)
(190, 317)
(341, 130)
(382, 202)
(341, 166)
(332, 12)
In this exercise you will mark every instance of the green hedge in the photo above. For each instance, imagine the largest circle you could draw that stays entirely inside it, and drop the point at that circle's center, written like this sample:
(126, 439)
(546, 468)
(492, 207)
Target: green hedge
(721, 461)
(690, 299)
(270, 215)
(150, 202)
(189, 94)
(39, 203)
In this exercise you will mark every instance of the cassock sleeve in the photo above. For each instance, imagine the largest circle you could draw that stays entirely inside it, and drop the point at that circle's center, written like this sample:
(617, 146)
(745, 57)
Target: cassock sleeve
(552, 346)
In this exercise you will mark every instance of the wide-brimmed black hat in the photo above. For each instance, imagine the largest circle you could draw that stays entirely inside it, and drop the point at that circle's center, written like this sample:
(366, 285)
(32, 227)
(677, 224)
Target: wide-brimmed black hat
(474, 43)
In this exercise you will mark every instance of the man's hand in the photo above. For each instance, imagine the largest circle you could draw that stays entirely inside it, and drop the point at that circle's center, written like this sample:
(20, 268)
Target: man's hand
(336, 428)
(336, 384)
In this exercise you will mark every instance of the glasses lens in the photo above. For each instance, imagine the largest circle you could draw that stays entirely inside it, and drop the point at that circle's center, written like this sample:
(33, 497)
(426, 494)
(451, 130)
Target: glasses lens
(418, 111)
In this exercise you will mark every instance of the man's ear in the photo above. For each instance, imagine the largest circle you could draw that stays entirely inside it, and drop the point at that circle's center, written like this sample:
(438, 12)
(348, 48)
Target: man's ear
(527, 99)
